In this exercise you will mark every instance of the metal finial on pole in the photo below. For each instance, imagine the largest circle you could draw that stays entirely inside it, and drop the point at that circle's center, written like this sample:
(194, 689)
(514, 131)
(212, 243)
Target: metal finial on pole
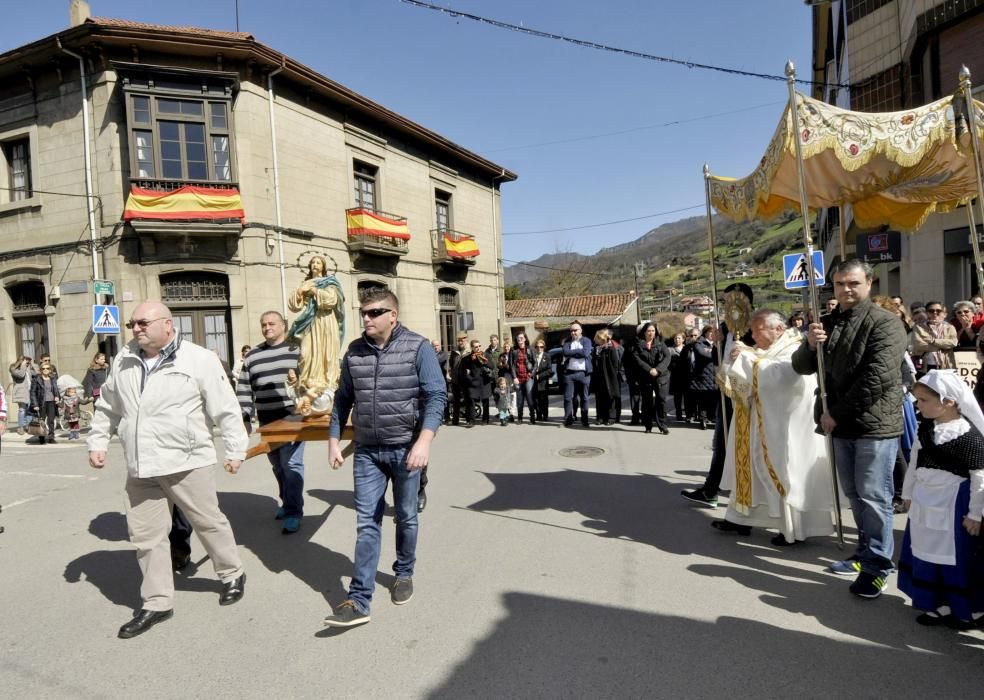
(719, 347)
(814, 294)
(975, 141)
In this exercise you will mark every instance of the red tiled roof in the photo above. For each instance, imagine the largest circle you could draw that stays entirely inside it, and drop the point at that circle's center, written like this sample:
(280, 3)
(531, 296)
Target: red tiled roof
(125, 23)
(591, 306)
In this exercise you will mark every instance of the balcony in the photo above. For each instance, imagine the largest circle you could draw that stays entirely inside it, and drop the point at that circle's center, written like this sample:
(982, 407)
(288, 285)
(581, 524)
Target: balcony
(377, 232)
(453, 247)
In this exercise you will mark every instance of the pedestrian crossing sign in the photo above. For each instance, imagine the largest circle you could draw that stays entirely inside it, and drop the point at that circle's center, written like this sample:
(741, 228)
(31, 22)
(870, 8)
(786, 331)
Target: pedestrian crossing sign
(105, 319)
(796, 271)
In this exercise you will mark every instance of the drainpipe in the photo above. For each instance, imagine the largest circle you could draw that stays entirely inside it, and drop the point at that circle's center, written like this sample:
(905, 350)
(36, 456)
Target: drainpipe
(500, 275)
(86, 150)
(276, 188)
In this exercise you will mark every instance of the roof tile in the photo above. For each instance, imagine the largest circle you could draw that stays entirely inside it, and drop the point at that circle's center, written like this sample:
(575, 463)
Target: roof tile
(126, 23)
(590, 306)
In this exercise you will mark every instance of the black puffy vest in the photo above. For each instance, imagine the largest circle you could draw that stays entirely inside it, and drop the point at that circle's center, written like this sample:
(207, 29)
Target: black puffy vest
(386, 389)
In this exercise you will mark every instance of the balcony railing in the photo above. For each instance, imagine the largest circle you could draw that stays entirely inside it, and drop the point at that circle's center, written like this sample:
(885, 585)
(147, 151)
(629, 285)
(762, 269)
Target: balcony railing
(171, 185)
(377, 232)
(453, 247)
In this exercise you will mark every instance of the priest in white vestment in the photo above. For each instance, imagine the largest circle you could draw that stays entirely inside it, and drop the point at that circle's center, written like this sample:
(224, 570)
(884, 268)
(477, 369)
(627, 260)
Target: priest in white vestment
(776, 464)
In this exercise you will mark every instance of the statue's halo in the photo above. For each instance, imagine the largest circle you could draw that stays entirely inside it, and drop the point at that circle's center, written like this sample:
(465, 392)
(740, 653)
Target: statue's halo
(304, 259)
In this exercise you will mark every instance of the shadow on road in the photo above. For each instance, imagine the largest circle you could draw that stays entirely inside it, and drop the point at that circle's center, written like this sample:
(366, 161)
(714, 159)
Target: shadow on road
(648, 509)
(551, 648)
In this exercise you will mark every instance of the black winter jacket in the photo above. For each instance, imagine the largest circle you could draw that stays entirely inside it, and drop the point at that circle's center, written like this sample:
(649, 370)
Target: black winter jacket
(863, 357)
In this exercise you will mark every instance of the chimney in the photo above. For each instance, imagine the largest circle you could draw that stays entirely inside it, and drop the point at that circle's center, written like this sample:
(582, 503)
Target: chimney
(78, 12)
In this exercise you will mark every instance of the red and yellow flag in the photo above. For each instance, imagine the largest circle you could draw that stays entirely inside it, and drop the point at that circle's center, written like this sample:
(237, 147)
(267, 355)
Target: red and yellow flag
(184, 203)
(460, 246)
(362, 222)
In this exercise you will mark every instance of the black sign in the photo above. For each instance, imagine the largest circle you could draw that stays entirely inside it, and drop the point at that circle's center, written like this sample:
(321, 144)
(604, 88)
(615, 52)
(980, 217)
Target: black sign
(880, 247)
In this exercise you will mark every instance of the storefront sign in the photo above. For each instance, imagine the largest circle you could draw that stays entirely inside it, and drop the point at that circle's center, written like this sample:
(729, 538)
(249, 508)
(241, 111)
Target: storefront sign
(881, 247)
(968, 366)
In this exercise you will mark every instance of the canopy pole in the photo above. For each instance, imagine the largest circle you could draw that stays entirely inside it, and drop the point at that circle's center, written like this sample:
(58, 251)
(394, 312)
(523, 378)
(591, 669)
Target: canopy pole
(842, 232)
(975, 142)
(719, 347)
(814, 294)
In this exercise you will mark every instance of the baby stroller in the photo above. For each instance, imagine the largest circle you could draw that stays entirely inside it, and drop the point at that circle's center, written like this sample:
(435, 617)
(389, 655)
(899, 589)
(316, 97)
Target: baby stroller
(85, 405)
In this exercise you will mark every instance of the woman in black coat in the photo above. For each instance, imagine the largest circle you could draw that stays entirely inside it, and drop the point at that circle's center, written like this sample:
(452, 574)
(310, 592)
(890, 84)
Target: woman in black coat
(702, 380)
(475, 377)
(607, 378)
(652, 361)
(679, 374)
(542, 370)
(45, 398)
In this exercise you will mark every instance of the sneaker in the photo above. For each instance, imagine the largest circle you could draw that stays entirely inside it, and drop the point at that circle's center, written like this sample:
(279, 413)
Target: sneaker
(697, 496)
(868, 585)
(402, 591)
(347, 615)
(847, 567)
(291, 525)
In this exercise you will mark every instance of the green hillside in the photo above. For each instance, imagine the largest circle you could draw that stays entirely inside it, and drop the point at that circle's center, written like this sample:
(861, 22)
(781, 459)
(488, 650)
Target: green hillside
(674, 257)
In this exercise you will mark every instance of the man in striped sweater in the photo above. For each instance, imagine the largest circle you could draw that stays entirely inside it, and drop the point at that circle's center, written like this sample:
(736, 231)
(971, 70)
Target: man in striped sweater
(263, 394)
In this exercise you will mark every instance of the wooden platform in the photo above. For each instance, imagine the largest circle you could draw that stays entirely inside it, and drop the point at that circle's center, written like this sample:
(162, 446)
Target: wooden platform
(295, 429)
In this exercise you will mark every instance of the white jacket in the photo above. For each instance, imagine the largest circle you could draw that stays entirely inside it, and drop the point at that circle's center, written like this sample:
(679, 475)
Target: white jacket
(163, 417)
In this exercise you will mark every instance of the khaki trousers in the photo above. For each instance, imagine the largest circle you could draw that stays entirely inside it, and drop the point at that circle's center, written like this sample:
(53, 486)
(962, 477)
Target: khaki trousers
(148, 519)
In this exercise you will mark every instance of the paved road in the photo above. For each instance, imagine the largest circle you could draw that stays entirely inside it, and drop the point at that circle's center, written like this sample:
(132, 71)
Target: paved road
(539, 576)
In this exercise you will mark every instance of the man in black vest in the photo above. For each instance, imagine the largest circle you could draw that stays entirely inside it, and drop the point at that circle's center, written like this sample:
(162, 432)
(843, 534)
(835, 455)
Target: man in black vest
(392, 384)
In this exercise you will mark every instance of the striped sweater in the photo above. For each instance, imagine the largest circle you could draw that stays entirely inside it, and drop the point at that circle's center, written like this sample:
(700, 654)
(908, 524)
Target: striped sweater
(260, 389)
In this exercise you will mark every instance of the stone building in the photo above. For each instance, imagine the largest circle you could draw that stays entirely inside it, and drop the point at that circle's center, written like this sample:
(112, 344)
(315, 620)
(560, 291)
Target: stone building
(893, 55)
(216, 167)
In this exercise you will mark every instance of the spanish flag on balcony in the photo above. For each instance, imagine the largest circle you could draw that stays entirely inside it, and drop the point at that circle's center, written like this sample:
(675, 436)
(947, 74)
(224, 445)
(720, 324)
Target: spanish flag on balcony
(362, 222)
(459, 246)
(184, 204)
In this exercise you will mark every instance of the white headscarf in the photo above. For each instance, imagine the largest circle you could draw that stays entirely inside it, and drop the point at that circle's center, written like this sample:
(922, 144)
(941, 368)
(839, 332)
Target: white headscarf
(948, 385)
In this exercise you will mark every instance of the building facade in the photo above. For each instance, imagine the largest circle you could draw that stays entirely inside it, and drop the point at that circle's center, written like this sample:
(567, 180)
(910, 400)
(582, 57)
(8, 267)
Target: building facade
(891, 55)
(217, 168)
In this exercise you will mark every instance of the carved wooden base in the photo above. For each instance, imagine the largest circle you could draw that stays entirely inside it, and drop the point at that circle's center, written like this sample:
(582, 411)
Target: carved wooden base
(295, 429)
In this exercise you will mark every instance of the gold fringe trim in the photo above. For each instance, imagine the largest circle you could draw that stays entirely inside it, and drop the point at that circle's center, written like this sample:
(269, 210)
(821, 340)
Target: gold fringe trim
(743, 459)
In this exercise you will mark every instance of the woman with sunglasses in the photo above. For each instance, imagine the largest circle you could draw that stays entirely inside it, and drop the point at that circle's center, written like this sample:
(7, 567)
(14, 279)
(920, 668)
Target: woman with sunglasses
(44, 400)
(542, 369)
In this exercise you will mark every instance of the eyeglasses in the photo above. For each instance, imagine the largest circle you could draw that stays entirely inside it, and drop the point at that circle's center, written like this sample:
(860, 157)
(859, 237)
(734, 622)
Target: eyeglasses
(934, 311)
(143, 322)
(373, 313)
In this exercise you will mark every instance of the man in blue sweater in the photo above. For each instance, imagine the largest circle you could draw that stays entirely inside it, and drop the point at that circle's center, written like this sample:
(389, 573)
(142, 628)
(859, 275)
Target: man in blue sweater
(392, 384)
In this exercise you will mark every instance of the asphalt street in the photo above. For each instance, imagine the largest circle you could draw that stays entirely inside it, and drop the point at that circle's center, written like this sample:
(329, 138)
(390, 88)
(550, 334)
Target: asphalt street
(539, 575)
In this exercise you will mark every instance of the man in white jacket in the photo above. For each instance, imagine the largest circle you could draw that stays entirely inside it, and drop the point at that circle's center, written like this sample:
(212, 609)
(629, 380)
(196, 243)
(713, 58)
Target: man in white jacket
(160, 398)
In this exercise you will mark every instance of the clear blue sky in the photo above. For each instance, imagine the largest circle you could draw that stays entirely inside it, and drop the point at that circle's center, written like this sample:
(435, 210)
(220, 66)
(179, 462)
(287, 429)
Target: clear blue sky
(497, 92)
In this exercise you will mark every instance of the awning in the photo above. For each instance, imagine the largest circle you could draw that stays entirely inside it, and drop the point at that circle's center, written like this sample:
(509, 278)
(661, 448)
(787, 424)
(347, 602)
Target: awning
(894, 168)
(184, 204)
(363, 222)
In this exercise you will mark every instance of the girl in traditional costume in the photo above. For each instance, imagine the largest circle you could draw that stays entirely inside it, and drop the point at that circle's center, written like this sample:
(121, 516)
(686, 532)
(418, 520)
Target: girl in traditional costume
(940, 566)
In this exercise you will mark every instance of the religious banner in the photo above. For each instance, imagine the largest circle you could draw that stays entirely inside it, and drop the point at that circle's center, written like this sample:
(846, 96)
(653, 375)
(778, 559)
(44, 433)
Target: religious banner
(968, 366)
(460, 245)
(363, 222)
(186, 203)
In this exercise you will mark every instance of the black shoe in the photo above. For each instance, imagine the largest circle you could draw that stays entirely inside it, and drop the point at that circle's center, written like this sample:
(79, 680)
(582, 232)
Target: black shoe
(698, 496)
(931, 619)
(421, 501)
(780, 541)
(568, 422)
(52, 441)
(664, 431)
(649, 429)
(179, 562)
(142, 621)
(585, 424)
(703, 424)
(868, 585)
(233, 591)
(728, 526)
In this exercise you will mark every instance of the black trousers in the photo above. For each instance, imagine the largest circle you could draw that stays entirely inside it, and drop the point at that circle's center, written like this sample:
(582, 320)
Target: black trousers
(180, 535)
(455, 401)
(678, 405)
(541, 399)
(48, 414)
(653, 405)
(712, 484)
(478, 407)
(635, 401)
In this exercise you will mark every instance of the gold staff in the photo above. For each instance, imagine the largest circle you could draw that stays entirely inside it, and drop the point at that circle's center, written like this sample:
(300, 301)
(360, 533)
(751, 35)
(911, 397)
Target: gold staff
(714, 294)
(975, 143)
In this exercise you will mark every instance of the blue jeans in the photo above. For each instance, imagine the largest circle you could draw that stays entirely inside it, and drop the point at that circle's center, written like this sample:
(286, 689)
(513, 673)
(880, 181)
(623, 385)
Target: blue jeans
(373, 468)
(580, 381)
(23, 409)
(288, 467)
(864, 467)
(524, 395)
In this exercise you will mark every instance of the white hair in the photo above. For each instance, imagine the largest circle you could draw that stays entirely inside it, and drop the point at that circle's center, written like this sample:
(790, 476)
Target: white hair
(771, 317)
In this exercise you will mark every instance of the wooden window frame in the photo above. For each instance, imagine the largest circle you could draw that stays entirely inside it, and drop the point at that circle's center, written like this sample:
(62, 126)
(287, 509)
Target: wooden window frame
(12, 200)
(366, 172)
(206, 98)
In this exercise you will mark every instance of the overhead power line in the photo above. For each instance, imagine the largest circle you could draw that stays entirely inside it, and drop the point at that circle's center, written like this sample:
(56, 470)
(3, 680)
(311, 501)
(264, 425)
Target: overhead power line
(604, 223)
(584, 43)
(675, 122)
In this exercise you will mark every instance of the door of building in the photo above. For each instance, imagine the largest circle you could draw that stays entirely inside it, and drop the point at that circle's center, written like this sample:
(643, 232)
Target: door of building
(199, 303)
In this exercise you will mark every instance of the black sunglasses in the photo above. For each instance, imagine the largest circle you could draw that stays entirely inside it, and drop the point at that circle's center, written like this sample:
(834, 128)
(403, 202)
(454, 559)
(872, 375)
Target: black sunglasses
(373, 313)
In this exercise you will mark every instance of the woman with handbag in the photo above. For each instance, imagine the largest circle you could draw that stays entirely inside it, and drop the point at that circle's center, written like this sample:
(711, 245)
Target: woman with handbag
(95, 376)
(44, 404)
